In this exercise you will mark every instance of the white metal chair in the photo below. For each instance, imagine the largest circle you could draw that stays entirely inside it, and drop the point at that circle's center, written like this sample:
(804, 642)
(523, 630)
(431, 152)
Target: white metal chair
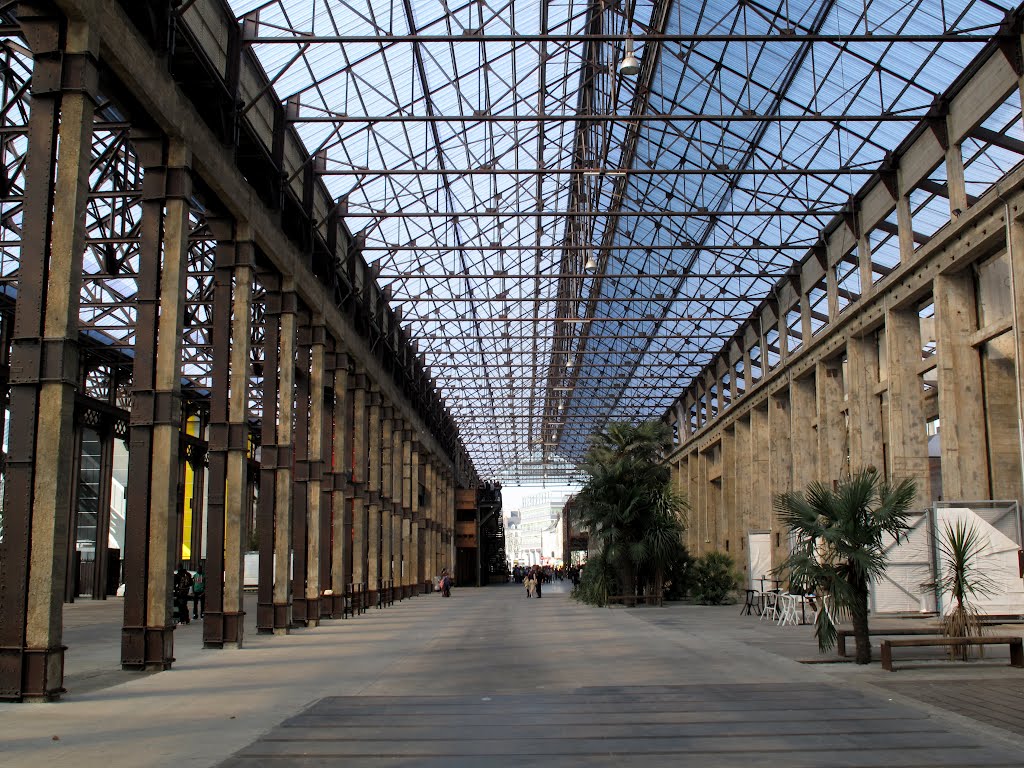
(787, 614)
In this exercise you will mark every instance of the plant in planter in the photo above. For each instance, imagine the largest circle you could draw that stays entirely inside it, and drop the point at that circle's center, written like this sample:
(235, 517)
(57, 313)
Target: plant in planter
(840, 545)
(960, 547)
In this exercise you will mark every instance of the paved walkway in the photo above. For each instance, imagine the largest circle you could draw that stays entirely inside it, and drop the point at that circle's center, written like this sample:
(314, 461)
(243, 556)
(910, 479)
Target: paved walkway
(492, 678)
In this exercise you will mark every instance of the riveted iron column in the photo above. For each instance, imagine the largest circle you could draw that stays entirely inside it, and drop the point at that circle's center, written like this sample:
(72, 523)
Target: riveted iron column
(341, 541)
(237, 498)
(315, 541)
(396, 504)
(265, 514)
(227, 490)
(325, 477)
(408, 558)
(360, 430)
(373, 548)
(151, 520)
(387, 492)
(300, 497)
(284, 458)
(44, 358)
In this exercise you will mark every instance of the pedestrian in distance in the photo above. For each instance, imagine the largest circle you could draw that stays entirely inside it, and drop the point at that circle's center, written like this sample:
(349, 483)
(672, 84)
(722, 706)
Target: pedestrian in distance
(199, 594)
(182, 590)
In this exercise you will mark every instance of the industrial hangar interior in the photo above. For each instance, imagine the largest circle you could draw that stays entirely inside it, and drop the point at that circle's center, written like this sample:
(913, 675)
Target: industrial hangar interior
(315, 279)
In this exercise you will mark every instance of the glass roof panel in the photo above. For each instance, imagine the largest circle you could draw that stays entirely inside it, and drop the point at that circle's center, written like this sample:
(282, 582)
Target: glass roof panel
(563, 256)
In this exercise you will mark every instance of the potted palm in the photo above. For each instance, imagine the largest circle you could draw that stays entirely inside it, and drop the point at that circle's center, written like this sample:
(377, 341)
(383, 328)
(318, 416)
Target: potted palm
(839, 548)
(631, 511)
(960, 546)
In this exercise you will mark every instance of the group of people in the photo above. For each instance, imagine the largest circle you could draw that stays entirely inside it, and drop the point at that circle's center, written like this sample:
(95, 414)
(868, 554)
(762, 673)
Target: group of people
(533, 580)
(444, 583)
(189, 585)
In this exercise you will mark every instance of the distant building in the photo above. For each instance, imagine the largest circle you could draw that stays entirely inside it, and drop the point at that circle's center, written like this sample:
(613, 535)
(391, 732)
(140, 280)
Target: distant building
(534, 531)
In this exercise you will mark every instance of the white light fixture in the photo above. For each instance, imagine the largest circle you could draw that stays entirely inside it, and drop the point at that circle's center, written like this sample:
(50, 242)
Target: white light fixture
(591, 265)
(630, 64)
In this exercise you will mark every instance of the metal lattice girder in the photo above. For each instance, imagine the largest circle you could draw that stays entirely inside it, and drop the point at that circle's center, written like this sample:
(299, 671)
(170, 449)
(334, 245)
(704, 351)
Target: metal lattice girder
(569, 245)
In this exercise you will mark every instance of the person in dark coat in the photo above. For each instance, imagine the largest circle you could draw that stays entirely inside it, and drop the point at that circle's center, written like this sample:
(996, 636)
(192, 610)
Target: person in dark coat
(182, 590)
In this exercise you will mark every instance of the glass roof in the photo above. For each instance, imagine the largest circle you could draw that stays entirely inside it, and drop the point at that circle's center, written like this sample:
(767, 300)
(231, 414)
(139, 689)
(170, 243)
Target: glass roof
(569, 244)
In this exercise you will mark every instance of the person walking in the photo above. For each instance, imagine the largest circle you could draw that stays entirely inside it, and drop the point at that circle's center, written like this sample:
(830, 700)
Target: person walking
(199, 594)
(182, 589)
(538, 588)
(446, 583)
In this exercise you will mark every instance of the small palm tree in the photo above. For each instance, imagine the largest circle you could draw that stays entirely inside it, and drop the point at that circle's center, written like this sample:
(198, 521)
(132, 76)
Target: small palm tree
(840, 545)
(960, 546)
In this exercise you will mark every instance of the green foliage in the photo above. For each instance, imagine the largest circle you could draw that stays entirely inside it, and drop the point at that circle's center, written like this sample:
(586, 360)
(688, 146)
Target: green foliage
(597, 581)
(960, 546)
(679, 575)
(714, 578)
(633, 514)
(840, 544)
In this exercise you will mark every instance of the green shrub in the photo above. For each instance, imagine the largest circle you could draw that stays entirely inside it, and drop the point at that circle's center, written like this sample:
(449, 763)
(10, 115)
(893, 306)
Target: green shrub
(714, 579)
(597, 581)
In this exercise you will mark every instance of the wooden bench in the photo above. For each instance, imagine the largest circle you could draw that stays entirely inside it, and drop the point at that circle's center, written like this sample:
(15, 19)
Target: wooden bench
(1016, 646)
(845, 633)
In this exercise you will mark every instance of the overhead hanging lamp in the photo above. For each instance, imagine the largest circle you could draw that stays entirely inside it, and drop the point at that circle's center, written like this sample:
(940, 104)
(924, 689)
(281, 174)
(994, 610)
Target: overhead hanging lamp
(630, 64)
(591, 265)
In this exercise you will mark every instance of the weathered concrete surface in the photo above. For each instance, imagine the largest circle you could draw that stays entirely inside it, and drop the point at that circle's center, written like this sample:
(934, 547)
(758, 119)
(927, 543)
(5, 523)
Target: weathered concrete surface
(490, 677)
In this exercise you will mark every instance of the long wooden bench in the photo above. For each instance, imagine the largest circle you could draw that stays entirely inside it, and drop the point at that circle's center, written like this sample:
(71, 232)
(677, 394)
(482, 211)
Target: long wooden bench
(1016, 646)
(845, 633)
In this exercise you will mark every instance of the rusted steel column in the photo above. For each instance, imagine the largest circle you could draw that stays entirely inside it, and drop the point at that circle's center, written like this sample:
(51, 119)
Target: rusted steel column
(229, 435)
(373, 508)
(222, 230)
(237, 498)
(408, 560)
(417, 549)
(341, 544)
(387, 509)
(300, 496)
(151, 520)
(397, 428)
(314, 465)
(283, 460)
(44, 359)
(360, 434)
(265, 514)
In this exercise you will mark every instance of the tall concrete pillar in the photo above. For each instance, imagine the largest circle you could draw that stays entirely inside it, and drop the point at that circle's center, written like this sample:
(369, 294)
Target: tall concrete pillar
(741, 480)
(341, 548)
(965, 473)
(832, 443)
(761, 502)
(44, 360)
(417, 516)
(151, 533)
(803, 414)
(908, 439)
(864, 406)
(780, 463)
(228, 490)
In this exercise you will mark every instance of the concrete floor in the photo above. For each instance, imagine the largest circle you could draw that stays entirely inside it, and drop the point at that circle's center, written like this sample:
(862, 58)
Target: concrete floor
(492, 678)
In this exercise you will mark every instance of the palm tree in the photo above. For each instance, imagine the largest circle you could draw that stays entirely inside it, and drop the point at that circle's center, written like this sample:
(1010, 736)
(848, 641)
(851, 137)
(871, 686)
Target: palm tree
(629, 505)
(961, 545)
(840, 544)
